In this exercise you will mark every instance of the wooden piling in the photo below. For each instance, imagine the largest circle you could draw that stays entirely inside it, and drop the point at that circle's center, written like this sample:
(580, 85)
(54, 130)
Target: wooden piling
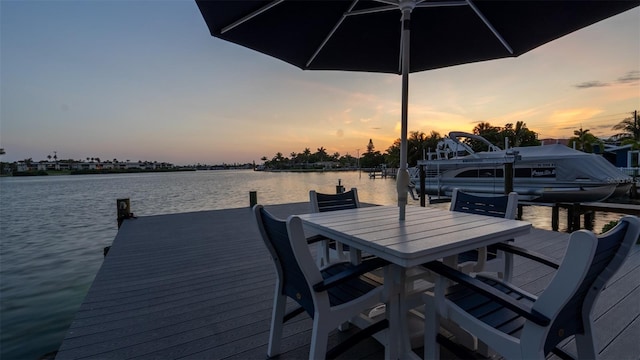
(422, 186)
(520, 211)
(589, 217)
(253, 198)
(124, 210)
(508, 178)
(573, 217)
(555, 217)
(339, 187)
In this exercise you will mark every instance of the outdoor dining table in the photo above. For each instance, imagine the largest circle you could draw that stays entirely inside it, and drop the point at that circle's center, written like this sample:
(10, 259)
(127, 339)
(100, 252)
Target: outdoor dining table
(425, 235)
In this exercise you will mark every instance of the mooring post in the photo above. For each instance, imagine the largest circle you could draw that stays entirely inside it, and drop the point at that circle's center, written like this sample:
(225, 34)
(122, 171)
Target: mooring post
(508, 167)
(555, 215)
(508, 178)
(589, 217)
(423, 200)
(573, 217)
(124, 210)
(253, 198)
(339, 187)
(520, 211)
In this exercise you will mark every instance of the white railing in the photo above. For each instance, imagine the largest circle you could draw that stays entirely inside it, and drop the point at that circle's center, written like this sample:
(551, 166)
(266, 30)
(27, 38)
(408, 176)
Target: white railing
(631, 171)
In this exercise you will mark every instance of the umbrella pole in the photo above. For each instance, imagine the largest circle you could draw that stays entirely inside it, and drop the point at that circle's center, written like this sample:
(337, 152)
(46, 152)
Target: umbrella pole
(402, 180)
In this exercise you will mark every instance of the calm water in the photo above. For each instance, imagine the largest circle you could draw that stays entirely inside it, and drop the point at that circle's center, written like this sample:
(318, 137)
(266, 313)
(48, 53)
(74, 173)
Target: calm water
(53, 230)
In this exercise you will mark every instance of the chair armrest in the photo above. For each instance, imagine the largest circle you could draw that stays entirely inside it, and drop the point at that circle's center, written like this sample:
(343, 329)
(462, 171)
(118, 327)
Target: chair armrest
(316, 238)
(486, 290)
(350, 273)
(543, 259)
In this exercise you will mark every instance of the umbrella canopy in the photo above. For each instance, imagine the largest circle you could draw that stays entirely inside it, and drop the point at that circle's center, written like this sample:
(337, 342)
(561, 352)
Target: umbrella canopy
(399, 36)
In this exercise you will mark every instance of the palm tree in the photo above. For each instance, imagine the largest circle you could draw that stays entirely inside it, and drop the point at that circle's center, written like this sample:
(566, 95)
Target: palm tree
(630, 128)
(581, 136)
(415, 145)
(483, 128)
(265, 161)
(278, 160)
(489, 132)
(520, 135)
(307, 154)
(583, 139)
(322, 153)
(431, 142)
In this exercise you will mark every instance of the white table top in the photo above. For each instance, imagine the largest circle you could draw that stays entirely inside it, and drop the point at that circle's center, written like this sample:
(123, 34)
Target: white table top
(427, 233)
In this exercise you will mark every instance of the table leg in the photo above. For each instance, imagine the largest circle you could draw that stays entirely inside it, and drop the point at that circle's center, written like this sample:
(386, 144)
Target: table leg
(405, 335)
(392, 295)
(355, 256)
(399, 339)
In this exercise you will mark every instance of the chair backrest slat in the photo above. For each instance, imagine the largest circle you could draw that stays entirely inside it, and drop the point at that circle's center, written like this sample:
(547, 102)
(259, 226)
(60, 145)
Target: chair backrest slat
(490, 206)
(496, 206)
(331, 202)
(277, 240)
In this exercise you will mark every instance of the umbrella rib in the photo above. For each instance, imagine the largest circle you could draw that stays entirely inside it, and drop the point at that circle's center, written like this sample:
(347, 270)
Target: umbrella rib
(401, 48)
(371, 11)
(394, 3)
(441, 4)
(493, 30)
(344, 16)
(250, 16)
(477, 11)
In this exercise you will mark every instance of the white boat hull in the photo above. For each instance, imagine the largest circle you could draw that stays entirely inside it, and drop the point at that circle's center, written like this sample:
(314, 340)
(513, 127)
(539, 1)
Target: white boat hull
(553, 173)
(526, 192)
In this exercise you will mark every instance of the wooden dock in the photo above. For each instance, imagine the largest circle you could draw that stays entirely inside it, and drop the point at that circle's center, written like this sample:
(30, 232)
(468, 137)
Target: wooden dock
(383, 173)
(200, 285)
(576, 210)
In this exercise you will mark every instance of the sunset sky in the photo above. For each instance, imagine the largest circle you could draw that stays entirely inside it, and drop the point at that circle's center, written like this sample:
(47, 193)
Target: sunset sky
(144, 80)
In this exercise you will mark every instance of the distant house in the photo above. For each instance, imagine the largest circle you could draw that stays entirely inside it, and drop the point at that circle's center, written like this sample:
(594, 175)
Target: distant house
(328, 164)
(45, 165)
(22, 166)
(621, 156)
(550, 141)
(63, 166)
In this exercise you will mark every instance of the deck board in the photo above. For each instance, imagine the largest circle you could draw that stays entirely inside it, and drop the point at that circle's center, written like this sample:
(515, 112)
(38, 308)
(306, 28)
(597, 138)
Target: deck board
(200, 285)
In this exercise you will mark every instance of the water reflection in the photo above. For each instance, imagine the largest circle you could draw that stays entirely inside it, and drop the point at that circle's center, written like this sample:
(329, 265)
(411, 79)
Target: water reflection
(54, 230)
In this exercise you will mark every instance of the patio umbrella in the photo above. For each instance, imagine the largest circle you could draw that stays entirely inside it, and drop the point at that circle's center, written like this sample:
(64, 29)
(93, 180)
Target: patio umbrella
(399, 36)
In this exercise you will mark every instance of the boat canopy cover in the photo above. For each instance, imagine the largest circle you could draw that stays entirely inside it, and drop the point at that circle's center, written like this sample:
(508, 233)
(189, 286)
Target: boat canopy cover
(570, 164)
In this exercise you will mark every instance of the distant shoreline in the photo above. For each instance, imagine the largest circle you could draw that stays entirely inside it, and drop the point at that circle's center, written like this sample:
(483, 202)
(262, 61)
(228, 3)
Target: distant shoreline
(168, 170)
(310, 170)
(96, 172)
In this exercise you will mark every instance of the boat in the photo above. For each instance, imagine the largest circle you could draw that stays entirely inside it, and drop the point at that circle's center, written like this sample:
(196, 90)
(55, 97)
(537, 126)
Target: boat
(546, 173)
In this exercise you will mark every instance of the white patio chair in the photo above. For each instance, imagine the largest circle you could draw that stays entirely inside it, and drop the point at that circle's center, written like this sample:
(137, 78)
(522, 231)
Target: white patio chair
(330, 297)
(328, 249)
(520, 325)
(486, 259)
